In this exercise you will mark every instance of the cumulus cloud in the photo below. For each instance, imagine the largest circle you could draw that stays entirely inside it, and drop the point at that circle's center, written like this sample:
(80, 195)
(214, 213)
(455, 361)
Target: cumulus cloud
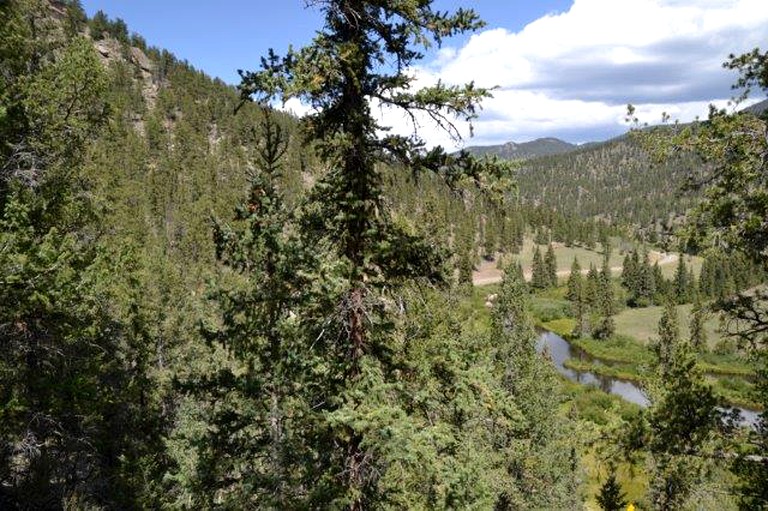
(571, 74)
(295, 106)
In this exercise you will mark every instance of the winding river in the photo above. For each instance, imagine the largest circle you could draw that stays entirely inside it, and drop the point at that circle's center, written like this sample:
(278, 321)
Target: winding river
(560, 350)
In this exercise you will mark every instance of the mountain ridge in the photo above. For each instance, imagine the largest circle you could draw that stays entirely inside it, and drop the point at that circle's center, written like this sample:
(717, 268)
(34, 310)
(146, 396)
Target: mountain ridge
(551, 146)
(545, 146)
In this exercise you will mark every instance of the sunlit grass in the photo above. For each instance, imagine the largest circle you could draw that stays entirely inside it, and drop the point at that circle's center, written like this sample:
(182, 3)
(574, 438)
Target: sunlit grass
(642, 324)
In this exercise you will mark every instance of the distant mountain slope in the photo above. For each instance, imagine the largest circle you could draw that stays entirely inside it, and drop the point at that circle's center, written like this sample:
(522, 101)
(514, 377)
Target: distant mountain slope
(513, 151)
(758, 108)
(612, 180)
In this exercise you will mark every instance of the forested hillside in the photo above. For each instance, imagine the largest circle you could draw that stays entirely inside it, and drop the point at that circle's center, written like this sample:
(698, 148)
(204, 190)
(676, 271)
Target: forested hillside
(614, 181)
(208, 303)
(174, 308)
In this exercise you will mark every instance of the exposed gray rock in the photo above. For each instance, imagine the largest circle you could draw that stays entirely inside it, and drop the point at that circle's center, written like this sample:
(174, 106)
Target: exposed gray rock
(140, 59)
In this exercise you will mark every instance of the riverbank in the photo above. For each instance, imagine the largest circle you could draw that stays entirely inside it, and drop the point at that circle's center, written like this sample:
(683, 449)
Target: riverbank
(572, 363)
(624, 358)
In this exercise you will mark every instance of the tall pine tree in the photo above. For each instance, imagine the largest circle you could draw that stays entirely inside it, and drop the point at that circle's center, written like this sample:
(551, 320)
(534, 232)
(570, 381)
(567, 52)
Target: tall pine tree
(539, 277)
(360, 57)
(550, 266)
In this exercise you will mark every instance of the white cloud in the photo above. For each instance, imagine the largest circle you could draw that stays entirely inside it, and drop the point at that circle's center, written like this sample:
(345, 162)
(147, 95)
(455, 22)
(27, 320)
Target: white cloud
(296, 107)
(572, 74)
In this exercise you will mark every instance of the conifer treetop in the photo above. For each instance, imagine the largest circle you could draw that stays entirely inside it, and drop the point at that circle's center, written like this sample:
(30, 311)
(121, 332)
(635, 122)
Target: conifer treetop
(364, 52)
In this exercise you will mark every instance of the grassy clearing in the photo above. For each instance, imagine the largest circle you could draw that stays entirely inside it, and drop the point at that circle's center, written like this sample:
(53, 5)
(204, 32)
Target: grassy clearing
(726, 364)
(735, 391)
(642, 324)
(732, 390)
(471, 306)
(586, 257)
(625, 350)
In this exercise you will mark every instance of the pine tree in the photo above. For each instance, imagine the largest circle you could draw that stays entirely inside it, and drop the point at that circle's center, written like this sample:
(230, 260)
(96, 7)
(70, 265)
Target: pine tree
(542, 236)
(518, 271)
(550, 267)
(732, 214)
(644, 289)
(669, 333)
(750, 465)
(528, 377)
(99, 25)
(265, 328)
(629, 271)
(575, 282)
(693, 286)
(679, 429)
(662, 288)
(576, 295)
(606, 305)
(539, 277)
(465, 254)
(75, 402)
(698, 334)
(683, 421)
(340, 74)
(592, 288)
(705, 278)
(680, 283)
(605, 269)
(611, 497)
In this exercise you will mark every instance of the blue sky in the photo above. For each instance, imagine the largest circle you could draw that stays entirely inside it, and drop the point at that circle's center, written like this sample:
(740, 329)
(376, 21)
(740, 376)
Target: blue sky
(221, 37)
(562, 68)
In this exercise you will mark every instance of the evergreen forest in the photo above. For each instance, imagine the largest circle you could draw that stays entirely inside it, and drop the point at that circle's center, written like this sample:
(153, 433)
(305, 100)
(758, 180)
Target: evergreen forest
(209, 303)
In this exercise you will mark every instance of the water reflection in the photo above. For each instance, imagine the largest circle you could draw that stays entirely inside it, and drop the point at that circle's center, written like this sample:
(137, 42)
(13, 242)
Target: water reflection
(559, 350)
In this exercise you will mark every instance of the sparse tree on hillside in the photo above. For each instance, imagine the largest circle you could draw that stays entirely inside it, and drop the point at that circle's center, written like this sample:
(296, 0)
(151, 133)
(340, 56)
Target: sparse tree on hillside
(99, 25)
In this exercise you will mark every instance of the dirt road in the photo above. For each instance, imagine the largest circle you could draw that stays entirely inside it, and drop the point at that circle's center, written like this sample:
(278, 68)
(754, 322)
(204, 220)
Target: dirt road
(487, 273)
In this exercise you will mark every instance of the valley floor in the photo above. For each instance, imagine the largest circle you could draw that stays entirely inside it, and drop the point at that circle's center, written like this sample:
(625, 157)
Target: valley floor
(488, 272)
